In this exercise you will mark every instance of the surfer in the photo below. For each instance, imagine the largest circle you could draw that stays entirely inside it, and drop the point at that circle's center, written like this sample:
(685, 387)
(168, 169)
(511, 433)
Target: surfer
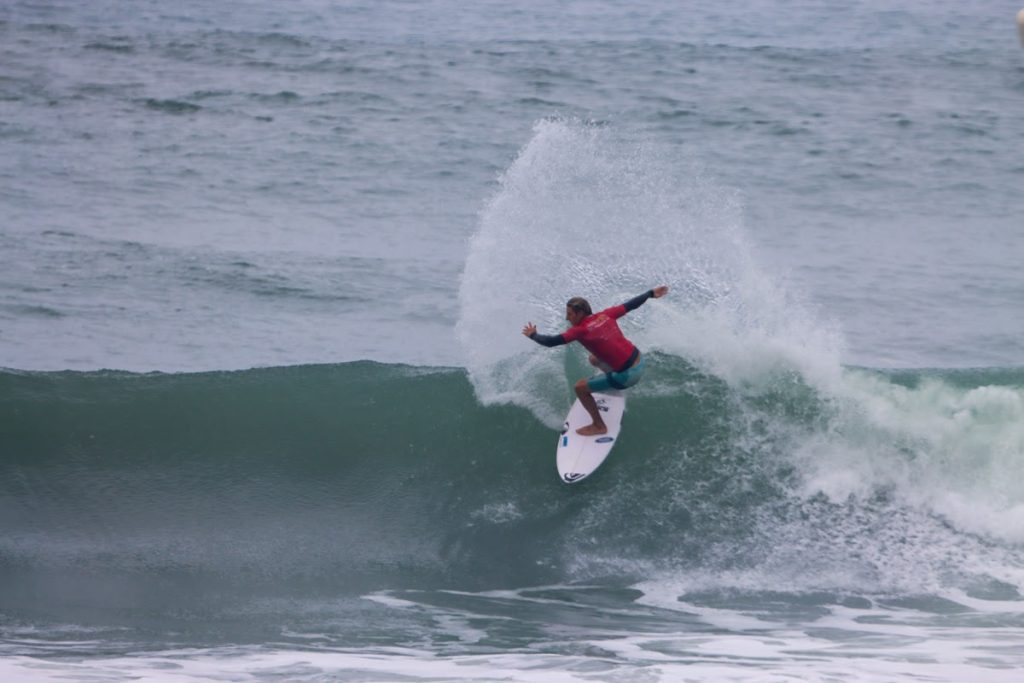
(609, 350)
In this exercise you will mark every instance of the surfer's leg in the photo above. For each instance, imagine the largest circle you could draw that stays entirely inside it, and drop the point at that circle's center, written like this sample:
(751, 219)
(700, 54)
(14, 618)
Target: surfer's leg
(587, 400)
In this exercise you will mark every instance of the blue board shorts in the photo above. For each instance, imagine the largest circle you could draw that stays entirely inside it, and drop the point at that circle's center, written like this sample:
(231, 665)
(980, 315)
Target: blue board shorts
(617, 380)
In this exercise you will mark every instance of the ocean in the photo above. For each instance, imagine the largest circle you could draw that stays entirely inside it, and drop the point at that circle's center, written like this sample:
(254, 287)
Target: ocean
(266, 413)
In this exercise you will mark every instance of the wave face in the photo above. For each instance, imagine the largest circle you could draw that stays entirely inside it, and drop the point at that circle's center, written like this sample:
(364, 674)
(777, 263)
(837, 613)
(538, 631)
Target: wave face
(326, 480)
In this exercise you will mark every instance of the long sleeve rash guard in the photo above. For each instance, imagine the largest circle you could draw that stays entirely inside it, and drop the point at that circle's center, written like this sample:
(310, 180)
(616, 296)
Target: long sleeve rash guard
(600, 334)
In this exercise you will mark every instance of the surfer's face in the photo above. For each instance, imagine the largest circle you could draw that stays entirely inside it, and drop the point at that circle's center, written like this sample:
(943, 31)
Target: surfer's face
(573, 316)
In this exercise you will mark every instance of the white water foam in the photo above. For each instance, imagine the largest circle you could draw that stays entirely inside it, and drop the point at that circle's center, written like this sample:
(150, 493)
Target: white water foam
(662, 635)
(909, 489)
(957, 452)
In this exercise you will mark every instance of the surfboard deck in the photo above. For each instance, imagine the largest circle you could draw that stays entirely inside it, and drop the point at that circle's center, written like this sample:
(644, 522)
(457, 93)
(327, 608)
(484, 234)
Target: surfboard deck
(578, 456)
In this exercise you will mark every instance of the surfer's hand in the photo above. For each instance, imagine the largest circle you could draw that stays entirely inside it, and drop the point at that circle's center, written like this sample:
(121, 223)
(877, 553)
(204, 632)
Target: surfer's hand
(529, 329)
(660, 291)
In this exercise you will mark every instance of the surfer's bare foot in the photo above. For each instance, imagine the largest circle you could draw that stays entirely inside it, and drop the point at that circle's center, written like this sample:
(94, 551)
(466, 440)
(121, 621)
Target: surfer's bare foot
(592, 430)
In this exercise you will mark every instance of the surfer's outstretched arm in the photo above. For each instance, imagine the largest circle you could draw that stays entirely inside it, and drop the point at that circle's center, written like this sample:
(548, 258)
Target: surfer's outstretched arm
(530, 330)
(637, 301)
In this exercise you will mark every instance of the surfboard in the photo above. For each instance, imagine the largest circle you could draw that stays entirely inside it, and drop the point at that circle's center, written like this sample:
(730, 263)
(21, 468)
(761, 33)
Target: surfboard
(578, 456)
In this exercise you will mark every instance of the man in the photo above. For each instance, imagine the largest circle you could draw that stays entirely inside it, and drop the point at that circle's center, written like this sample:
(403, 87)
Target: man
(609, 350)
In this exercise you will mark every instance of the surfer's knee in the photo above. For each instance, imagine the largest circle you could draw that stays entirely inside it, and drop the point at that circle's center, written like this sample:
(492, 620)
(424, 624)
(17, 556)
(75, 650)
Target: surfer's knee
(582, 388)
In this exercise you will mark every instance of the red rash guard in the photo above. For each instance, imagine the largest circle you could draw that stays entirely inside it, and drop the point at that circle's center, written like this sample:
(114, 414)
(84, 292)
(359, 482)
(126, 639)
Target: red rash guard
(600, 334)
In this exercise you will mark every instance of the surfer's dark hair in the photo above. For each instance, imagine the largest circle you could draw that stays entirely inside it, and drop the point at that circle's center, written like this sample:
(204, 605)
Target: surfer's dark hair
(579, 304)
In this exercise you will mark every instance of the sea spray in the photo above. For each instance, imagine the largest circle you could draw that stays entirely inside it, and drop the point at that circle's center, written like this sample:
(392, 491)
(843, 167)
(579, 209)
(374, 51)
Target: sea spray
(588, 210)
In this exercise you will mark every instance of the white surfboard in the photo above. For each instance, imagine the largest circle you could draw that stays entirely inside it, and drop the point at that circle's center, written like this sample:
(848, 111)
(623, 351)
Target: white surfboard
(578, 456)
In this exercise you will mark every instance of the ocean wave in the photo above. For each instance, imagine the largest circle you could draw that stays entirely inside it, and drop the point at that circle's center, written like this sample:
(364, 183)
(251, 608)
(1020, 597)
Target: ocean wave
(362, 476)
